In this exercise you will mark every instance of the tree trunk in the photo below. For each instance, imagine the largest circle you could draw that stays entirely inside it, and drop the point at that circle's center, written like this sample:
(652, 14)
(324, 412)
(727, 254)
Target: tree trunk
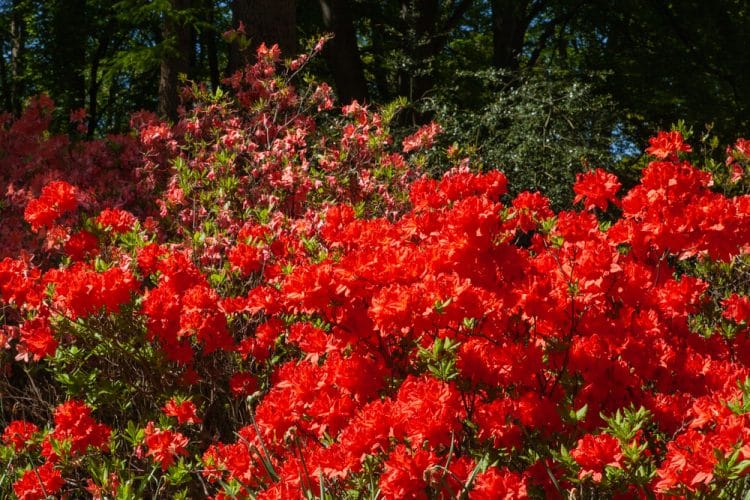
(5, 84)
(175, 57)
(209, 43)
(431, 27)
(68, 52)
(426, 46)
(101, 50)
(509, 25)
(342, 53)
(269, 21)
(17, 48)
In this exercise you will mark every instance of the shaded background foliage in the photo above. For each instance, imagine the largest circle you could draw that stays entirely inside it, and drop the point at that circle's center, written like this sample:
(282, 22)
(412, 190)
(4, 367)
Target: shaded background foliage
(542, 88)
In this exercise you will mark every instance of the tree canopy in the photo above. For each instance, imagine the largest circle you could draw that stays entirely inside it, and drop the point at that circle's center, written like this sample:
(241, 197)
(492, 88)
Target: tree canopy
(657, 61)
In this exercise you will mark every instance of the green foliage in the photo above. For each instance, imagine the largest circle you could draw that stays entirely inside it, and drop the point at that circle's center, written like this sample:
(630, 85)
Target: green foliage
(540, 128)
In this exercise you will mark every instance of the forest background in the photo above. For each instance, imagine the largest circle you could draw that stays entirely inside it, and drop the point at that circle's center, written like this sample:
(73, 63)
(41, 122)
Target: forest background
(542, 89)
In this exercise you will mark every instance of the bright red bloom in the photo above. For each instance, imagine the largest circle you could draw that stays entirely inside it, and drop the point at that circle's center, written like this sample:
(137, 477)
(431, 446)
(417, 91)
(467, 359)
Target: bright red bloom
(666, 144)
(19, 283)
(594, 453)
(119, 221)
(81, 245)
(598, 188)
(494, 364)
(37, 338)
(80, 291)
(73, 422)
(149, 256)
(235, 461)
(737, 308)
(530, 210)
(164, 445)
(428, 410)
(313, 341)
(17, 433)
(184, 412)
(246, 258)
(496, 422)
(202, 317)
(39, 483)
(742, 146)
(406, 474)
(498, 484)
(55, 199)
(689, 463)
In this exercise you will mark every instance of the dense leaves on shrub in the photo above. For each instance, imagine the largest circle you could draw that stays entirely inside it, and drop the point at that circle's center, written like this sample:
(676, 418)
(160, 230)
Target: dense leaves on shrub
(539, 128)
(269, 300)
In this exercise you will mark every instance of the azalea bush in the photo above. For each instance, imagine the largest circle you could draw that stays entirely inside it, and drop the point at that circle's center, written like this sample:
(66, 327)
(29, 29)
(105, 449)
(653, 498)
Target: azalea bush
(269, 299)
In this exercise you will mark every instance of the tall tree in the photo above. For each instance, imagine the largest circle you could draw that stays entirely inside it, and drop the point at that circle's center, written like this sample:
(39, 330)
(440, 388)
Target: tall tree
(265, 21)
(69, 29)
(428, 25)
(342, 53)
(209, 47)
(668, 61)
(17, 54)
(175, 57)
(510, 20)
(102, 46)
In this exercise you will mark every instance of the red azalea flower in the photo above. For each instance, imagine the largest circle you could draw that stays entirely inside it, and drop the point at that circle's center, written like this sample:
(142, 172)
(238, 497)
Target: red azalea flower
(19, 283)
(246, 258)
(184, 412)
(737, 308)
(406, 474)
(496, 484)
(593, 453)
(73, 422)
(39, 483)
(164, 445)
(422, 138)
(119, 221)
(81, 245)
(80, 291)
(598, 188)
(666, 144)
(37, 338)
(17, 433)
(55, 199)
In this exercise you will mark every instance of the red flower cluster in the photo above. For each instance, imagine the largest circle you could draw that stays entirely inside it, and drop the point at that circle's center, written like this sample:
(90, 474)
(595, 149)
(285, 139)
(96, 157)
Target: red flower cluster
(598, 188)
(56, 198)
(18, 283)
(422, 138)
(117, 220)
(183, 411)
(18, 433)
(667, 144)
(593, 453)
(737, 308)
(713, 432)
(36, 339)
(39, 483)
(75, 426)
(80, 291)
(164, 445)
